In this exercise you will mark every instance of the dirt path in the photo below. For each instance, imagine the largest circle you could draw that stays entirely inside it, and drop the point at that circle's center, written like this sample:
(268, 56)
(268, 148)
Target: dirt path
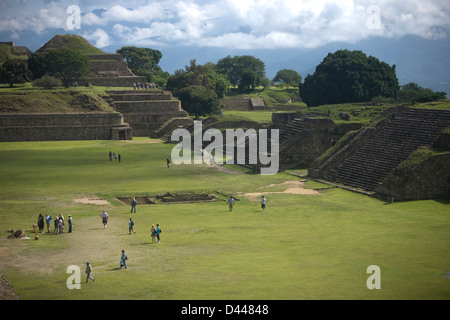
(292, 187)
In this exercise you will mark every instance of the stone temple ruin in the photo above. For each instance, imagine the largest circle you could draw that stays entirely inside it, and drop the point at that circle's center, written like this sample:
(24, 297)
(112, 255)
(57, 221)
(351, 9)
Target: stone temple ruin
(377, 159)
(370, 158)
(137, 112)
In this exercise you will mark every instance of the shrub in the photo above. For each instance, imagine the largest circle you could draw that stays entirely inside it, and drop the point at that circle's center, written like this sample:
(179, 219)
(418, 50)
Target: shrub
(47, 82)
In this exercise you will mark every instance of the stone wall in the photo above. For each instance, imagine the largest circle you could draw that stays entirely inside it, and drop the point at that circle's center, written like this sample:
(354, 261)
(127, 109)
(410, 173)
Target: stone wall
(112, 81)
(69, 126)
(146, 110)
(428, 180)
(157, 106)
(300, 150)
(242, 104)
(109, 70)
(280, 119)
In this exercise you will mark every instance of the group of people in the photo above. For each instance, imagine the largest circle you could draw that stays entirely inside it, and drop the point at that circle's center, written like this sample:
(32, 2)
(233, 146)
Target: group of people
(146, 86)
(122, 264)
(58, 223)
(231, 203)
(114, 156)
(154, 231)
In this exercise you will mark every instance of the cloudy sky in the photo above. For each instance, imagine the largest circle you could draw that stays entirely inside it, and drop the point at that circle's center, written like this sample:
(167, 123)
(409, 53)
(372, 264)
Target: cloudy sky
(226, 24)
(242, 24)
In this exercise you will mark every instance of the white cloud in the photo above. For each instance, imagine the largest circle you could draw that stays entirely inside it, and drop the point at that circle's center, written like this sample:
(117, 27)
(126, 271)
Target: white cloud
(100, 37)
(234, 23)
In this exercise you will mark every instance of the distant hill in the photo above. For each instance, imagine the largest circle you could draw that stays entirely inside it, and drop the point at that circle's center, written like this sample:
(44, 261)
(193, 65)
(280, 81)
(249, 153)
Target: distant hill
(71, 42)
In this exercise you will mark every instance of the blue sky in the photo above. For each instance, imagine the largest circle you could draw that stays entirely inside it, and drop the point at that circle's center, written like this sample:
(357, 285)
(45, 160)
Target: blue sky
(227, 26)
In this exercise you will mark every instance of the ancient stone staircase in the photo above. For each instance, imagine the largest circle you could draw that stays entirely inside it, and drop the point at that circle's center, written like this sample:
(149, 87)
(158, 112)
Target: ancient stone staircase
(369, 165)
(293, 128)
(166, 137)
(146, 110)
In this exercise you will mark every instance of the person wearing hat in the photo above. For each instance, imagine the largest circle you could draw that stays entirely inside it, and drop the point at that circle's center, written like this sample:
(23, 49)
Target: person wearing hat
(88, 272)
(70, 223)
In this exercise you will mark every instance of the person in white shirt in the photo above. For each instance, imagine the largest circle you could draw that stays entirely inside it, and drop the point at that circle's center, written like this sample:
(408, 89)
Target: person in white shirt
(263, 203)
(104, 217)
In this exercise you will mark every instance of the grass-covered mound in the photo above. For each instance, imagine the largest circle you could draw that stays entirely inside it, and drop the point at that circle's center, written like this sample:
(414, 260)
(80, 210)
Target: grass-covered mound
(54, 101)
(70, 42)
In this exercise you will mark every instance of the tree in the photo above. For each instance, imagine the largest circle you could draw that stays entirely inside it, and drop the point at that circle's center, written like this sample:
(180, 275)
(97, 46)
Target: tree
(67, 64)
(14, 71)
(198, 101)
(47, 82)
(349, 76)
(412, 92)
(199, 75)
(246, 72)
(37, 66)
(289, 77)
(144, 62)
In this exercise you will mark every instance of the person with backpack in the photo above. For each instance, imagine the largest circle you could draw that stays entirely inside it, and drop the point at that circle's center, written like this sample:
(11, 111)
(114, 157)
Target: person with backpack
(158, 231)
(131, 226)
(153, 233)
(133, 205)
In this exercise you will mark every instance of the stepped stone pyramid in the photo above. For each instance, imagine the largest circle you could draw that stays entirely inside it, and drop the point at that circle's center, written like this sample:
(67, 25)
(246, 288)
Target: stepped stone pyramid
(106, 69)
(366, 160)
(146, 110)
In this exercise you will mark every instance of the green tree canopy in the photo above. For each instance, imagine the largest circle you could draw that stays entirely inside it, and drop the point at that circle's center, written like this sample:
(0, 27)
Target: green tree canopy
(288, 76)
(246, 72)
(14, 71)
(144, 62)
(349, 76)
(36, 65)
(67, 64)
(412, 92)
(199, 75)
(198, 101)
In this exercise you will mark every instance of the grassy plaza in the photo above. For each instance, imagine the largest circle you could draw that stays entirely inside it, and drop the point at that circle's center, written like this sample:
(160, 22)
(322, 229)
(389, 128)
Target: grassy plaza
(312, 241)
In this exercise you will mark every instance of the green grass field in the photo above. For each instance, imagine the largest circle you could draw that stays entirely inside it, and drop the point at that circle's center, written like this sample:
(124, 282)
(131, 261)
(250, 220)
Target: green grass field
(304, 246)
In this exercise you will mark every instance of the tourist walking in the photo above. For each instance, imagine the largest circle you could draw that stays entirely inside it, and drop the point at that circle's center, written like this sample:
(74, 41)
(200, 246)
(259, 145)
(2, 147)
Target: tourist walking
(48, 220)
(110, 156)
(119, 157)
(158, 232)
(168, 162)
(104, 217)
(88, 272)
(153, 233)
(131, 226)
(263, 203)
(123, 260)
(230, 203)
(133, 205)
